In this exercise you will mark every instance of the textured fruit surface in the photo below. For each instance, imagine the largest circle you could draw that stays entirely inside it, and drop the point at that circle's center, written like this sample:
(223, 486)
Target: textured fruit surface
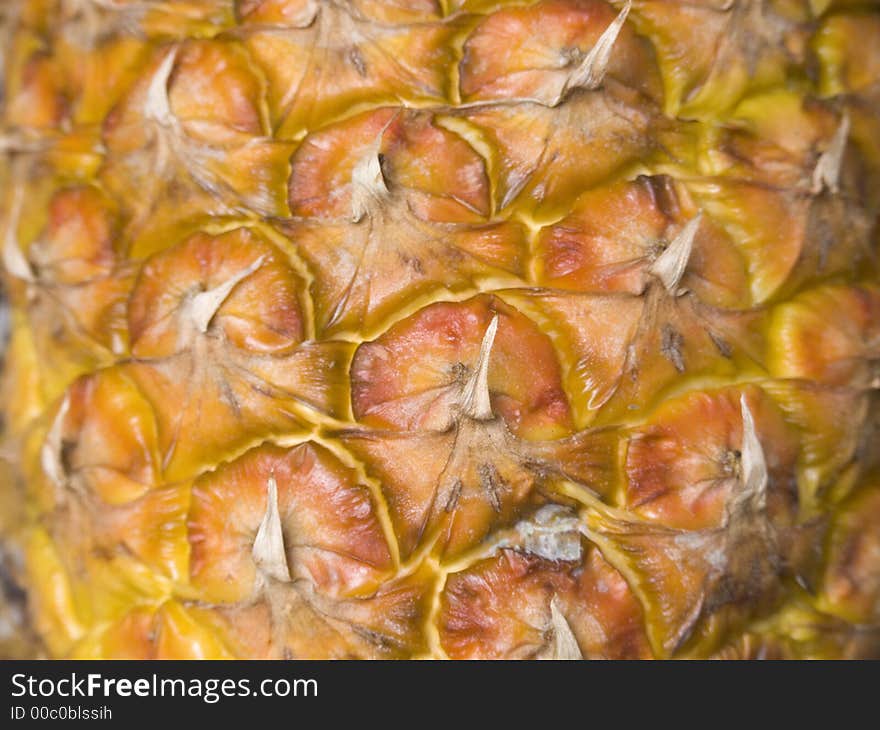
(440, 329)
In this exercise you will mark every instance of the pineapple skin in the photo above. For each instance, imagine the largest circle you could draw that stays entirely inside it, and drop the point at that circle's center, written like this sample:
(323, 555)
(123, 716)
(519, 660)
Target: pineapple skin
(440, 329)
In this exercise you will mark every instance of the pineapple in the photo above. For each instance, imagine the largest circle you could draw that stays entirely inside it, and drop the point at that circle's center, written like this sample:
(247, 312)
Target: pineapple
(441, 328)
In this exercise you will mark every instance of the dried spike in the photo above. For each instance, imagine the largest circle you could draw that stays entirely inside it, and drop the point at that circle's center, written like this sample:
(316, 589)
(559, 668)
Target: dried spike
(205, 304)
(591, 72)
(475, 401)
(564, 646)
(157, 106)
(13, 258)
(826, 174)
(117, 345)
(50, 454)
(268, 551)
(367, 182)
(754, 464)
(670, 266)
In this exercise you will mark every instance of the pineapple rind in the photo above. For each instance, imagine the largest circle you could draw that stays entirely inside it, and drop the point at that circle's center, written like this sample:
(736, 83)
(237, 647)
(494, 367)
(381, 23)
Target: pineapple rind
(281, 240)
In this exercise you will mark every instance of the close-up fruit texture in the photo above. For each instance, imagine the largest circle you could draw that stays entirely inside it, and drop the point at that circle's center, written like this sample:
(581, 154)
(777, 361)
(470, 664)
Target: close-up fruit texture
(440, 329)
